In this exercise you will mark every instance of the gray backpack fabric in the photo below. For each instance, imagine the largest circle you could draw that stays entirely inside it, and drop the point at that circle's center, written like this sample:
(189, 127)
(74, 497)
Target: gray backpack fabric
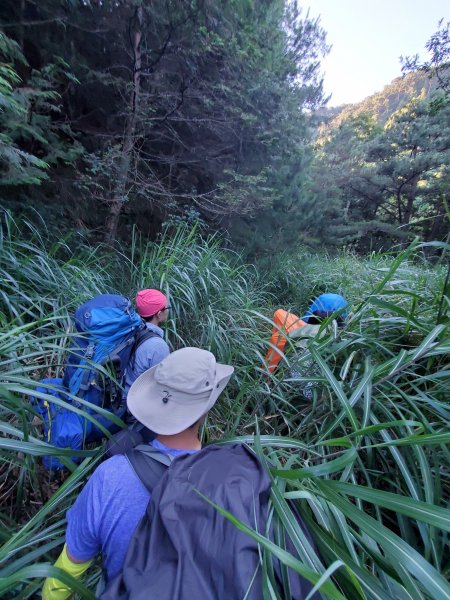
(184, 549)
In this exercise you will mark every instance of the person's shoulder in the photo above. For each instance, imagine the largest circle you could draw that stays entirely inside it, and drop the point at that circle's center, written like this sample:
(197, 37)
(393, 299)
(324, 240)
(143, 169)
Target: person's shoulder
(114, 462)
(155, 341)
(154, 344)
(114, 476)
(154, 333)
(112, 468)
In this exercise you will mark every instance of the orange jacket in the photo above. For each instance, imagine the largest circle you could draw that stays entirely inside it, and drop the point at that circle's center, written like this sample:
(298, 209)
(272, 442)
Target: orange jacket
(286, 322)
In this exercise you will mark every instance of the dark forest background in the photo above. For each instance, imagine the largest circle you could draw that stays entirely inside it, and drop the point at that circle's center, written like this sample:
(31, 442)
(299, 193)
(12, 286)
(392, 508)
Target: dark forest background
(125, 113)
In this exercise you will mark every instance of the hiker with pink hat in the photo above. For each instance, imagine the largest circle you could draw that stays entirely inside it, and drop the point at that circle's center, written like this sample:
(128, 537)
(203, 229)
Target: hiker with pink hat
(153, 307)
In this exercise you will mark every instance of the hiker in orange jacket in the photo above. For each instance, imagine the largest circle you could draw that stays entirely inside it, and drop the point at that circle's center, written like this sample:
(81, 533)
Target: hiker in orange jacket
(323, 307)
(284, 323)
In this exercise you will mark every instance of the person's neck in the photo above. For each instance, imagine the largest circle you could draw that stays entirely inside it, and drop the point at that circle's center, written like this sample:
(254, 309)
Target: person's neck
(186, 440)
(154, 322)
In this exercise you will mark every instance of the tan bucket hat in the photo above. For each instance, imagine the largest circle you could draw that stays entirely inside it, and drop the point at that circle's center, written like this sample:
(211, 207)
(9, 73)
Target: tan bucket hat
(173, 395)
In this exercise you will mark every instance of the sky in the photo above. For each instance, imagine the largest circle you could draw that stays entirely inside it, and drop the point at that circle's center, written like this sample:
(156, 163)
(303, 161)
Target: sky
(368, 37)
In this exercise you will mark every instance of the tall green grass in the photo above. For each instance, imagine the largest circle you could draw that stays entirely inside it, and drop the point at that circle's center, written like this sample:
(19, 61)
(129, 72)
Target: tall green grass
(366, 463)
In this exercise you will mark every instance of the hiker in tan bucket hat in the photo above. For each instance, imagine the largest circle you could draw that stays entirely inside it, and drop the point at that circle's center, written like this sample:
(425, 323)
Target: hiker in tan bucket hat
(172, 396)
(171, 399)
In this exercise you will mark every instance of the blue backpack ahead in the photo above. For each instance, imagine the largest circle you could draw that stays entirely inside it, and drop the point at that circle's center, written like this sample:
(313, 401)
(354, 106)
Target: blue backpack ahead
(110, 330)
(62, 427)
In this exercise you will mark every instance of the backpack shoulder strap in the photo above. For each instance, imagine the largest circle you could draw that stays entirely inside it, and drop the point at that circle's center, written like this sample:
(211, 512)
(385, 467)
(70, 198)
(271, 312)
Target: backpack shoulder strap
(142, 336)
(149, 464)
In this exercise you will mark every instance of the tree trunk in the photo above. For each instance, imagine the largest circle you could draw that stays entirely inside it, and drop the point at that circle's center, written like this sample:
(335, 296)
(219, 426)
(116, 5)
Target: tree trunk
(439, 222)
(399, 207)
(346, 209)
(120, 189)
(405, 213)
(21, 34)
(434, 233)
(411, 193)
(410, 197)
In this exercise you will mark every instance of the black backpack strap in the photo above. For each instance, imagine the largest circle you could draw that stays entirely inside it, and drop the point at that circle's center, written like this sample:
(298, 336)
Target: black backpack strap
(122, 442)
(148, 464)
(127, 439)
(147, 434)
(142, 336)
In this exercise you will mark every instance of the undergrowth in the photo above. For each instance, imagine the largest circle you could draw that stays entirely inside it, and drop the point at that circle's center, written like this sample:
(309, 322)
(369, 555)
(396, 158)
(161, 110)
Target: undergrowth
(365, 461)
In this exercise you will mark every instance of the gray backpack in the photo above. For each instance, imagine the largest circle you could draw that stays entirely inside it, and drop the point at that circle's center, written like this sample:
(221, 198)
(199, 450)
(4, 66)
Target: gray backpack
(183, 548)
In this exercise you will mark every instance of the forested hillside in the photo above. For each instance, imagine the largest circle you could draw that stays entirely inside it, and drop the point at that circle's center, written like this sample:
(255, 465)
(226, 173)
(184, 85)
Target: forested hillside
(384, 103)
(383, 164)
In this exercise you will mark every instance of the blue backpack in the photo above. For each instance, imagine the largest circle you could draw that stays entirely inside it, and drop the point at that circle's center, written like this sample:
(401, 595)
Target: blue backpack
(62, 427)
(110, 332)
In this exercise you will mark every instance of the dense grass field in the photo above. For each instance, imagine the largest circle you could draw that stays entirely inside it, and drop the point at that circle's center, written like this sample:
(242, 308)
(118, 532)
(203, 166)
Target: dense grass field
(366, 461)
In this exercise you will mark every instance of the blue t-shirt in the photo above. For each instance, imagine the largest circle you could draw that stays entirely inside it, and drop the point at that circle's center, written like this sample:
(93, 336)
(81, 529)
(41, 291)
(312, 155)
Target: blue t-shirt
(107, 511)
(149, 353)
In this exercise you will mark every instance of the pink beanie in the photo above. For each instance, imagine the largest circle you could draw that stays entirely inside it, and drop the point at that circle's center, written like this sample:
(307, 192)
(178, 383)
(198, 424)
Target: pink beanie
(149, 302)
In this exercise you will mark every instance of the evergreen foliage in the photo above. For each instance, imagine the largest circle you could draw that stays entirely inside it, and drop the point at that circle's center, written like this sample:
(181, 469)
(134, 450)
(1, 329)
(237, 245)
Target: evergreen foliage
(178, 105)
(438, 63)
(137, 112)
(387, 181)
(33, 136)
(383, 163)
(16, 165)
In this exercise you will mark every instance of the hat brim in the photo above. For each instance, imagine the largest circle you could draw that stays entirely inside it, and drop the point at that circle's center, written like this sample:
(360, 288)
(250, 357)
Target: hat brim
(144, 402)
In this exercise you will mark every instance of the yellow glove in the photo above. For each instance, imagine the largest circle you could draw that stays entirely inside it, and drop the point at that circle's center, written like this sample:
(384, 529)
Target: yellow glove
(57, 590)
